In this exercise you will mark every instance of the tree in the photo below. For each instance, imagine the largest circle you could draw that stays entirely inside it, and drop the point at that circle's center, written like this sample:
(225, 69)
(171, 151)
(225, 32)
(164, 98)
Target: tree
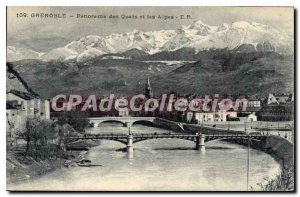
(43, 142)
(78, 120)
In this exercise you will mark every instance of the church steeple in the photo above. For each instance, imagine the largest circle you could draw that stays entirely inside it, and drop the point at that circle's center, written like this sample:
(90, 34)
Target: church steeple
(148, 89)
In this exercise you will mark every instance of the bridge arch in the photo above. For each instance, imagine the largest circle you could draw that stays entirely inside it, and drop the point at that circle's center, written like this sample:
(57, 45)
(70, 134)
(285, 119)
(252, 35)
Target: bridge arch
(143, 122)
(111, 121)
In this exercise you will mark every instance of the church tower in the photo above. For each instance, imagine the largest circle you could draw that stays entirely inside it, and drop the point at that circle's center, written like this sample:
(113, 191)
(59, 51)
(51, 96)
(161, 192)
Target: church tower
(148, 89)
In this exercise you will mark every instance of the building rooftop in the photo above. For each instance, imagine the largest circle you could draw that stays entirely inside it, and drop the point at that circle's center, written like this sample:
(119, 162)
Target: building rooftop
(23, 95)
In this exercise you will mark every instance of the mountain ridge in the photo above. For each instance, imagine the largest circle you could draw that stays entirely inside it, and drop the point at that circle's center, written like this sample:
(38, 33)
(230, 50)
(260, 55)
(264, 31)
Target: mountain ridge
(197, 35)
(215, 71)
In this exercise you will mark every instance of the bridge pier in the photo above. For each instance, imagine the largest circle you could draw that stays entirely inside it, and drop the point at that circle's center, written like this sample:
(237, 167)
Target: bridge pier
(200, 142)
(127, 124)
(130, 143)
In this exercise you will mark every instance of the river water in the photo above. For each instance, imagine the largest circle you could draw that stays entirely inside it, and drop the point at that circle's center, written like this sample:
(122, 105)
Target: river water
(160, 164)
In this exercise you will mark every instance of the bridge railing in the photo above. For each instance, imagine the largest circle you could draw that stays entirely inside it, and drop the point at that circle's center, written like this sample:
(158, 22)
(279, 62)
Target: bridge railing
(165, 135)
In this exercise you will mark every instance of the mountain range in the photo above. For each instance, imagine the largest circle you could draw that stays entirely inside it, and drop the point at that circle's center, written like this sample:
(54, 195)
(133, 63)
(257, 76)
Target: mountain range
(211, 72)
(239, 58)
(198, 36)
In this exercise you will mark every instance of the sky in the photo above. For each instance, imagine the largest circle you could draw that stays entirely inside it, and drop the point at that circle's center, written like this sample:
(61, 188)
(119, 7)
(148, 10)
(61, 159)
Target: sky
(40, 34)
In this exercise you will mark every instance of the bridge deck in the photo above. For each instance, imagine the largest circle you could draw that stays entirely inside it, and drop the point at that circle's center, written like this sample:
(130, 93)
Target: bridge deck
(133, 138)
(152, 135)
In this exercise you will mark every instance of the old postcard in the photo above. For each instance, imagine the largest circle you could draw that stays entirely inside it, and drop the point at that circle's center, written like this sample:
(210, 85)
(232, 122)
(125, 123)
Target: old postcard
(150, 99)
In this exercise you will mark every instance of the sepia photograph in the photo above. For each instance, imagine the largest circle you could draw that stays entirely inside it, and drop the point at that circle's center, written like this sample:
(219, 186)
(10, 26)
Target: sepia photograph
(150, 98)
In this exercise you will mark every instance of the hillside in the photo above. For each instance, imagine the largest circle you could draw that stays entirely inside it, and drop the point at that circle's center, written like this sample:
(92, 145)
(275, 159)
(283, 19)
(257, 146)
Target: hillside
(215, 71)
(231, 73)
(15, 82)
(98, 76)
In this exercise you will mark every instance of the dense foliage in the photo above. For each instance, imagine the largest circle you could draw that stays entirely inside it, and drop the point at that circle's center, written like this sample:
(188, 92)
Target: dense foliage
(78, 120)
(43, 139)
(283, 182)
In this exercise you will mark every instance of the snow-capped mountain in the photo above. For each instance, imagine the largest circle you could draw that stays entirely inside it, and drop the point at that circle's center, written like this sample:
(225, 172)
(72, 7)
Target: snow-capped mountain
(16, 54)
(197, 35)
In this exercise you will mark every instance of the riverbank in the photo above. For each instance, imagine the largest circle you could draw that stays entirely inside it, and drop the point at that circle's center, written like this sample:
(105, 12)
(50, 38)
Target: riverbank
(283, 152)
(25, 168)
(20, 167)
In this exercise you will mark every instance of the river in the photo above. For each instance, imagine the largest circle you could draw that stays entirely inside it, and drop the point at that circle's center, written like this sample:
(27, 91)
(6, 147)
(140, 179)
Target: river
(160, 164)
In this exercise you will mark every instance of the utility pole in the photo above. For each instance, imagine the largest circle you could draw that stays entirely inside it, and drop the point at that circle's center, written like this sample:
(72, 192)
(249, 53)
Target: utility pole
(129, 132)
(228, 125)
(248, 162)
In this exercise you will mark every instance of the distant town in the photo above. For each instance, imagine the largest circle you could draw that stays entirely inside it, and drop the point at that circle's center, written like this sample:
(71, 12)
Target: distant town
(274, 108)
